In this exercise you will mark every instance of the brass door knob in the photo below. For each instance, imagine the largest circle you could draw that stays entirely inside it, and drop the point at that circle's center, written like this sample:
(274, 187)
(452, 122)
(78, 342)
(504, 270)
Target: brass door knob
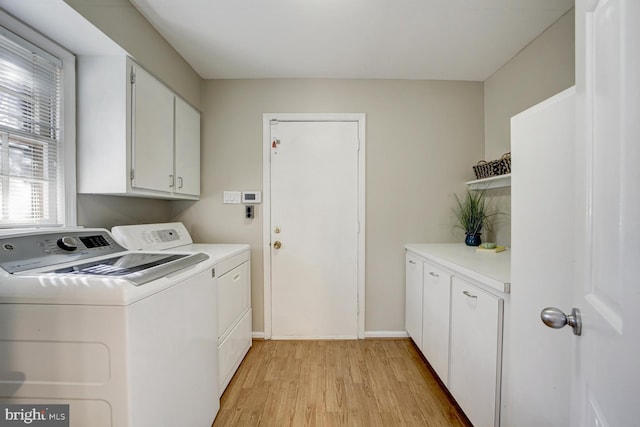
(277, 244)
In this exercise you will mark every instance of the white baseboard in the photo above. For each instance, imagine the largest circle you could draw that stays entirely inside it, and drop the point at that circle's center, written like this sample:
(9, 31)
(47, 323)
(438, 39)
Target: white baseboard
(368, 334)
(386, 334)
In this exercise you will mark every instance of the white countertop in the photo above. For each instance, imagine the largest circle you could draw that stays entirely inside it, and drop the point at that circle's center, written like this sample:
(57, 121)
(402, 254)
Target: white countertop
(490, 269)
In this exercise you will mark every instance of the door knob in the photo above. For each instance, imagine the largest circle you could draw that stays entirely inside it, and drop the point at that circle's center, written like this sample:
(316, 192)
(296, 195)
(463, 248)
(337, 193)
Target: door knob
(277, 244)
(556, 319)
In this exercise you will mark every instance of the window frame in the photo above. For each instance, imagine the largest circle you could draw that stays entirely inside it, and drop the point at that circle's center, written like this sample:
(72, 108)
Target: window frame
(67, 148)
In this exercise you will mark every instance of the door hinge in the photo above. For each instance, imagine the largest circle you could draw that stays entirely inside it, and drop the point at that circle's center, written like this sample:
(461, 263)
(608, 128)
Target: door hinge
(358, 144)
(133, 76)
(132, 174)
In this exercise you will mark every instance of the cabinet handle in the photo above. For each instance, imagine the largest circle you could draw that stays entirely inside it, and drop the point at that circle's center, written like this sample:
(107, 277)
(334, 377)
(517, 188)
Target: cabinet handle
(431, 273)
(179, 182)
(467, 293)
(171, 181)
(411, 262)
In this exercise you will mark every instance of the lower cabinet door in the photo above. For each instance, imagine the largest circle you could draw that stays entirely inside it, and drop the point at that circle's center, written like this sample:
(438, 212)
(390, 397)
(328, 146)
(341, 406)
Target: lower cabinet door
(413, 298)
(435, 319)
(476, 352)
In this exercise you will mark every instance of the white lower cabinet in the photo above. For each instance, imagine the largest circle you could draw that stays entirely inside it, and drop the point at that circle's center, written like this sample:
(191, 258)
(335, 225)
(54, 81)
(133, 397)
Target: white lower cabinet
(413, 298)
(455, 302)
(435, 319)
(476, 352)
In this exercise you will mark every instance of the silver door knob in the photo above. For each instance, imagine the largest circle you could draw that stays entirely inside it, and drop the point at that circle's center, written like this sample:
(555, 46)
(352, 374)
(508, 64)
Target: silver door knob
(556, 319)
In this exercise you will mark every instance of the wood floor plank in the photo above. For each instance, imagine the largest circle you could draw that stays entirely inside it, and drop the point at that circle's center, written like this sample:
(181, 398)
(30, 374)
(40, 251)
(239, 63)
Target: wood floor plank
(368, 383)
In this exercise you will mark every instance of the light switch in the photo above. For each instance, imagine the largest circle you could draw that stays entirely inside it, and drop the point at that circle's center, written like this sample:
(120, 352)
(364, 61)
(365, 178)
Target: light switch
(232, 197)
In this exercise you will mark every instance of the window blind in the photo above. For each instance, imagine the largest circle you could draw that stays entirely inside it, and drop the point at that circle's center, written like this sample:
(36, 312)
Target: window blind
(31, 181)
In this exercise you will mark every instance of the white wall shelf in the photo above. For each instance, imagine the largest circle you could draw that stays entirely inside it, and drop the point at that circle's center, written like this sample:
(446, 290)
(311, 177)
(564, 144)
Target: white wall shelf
(491, 182)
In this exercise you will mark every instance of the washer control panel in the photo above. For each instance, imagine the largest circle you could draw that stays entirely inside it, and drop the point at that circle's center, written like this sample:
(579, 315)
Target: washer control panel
(152, 236)
(20, 252)
(68, 243)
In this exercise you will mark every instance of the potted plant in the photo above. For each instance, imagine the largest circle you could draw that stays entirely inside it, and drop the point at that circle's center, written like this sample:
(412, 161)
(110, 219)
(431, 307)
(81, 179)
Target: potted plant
(473, 214)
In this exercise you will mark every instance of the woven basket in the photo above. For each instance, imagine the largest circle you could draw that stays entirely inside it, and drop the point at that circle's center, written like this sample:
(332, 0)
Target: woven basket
(483, 170)
(506, 162)
(486, 169)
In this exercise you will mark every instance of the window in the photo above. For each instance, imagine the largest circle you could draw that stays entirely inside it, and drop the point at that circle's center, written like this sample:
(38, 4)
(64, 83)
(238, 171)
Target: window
(37, 170)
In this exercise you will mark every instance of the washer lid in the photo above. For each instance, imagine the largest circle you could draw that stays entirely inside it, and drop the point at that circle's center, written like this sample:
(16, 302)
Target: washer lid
(138, 268)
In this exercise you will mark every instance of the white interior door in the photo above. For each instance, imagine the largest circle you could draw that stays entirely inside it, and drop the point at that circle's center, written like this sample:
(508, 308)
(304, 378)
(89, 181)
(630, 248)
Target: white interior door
(608, 213)
(314, 207)
(575, 240)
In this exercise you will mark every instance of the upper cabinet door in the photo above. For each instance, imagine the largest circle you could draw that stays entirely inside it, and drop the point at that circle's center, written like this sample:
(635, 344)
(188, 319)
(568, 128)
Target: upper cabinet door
(187, 149)
(152, 133)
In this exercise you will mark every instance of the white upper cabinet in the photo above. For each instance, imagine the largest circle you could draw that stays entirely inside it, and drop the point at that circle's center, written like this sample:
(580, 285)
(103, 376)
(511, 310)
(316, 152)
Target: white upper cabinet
(187, 148)
(135, 136)
(152, 129)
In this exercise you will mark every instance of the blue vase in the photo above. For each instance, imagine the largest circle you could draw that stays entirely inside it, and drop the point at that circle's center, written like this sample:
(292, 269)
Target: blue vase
(473, 239)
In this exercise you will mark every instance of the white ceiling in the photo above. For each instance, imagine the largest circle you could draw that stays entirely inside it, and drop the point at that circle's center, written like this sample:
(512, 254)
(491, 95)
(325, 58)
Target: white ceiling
(377, 39)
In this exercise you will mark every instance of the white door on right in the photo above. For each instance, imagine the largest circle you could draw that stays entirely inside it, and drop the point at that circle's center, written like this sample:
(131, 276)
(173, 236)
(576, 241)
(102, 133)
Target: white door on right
(576, 220)
(607, 247)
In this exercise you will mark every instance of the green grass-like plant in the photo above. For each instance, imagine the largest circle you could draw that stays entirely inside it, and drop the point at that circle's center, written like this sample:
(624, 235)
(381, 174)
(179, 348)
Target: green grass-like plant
(472, 212)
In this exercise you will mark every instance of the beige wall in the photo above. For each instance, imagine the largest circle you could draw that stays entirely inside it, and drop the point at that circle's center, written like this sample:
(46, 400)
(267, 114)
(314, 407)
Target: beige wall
(121, 22)
(108, 211)
(421, 138)
(542, 69)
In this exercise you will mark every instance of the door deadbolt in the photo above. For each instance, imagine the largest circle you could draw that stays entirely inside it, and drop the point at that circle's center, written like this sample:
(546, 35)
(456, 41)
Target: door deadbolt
(276, 230)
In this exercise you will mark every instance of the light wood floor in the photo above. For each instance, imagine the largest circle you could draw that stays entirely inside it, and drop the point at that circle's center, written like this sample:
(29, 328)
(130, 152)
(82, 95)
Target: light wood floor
(373, 382)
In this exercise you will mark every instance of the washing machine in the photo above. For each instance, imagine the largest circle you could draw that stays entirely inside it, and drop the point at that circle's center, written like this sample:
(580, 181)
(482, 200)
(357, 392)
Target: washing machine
(125, 338)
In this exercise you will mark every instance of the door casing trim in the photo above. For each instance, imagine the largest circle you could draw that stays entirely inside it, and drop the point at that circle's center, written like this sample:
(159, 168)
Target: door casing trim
(360, 118)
